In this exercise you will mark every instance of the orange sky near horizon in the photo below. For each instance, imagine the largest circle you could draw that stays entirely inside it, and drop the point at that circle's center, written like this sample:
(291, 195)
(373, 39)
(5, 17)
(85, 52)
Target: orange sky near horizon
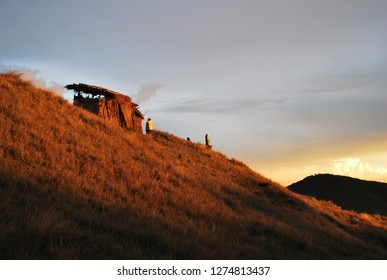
(370, 167)
(291, 88)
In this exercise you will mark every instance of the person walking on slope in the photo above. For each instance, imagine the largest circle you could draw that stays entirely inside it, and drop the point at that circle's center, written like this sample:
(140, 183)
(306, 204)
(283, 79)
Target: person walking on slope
(149, 126)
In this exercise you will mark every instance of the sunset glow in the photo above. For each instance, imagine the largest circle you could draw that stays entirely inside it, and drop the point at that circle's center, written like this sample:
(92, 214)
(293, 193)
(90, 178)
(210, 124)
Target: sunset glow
(291, 88)
(357, 168)
(372, 170)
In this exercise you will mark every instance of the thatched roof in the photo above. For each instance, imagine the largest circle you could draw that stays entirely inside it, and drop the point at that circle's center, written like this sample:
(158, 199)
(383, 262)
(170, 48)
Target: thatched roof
(93, 90)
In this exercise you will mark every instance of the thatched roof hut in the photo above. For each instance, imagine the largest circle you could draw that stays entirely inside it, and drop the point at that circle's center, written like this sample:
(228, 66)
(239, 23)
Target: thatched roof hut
(110, 105)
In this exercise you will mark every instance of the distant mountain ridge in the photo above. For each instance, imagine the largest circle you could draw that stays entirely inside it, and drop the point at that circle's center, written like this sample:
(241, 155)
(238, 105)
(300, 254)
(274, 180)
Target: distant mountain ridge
(349, 193)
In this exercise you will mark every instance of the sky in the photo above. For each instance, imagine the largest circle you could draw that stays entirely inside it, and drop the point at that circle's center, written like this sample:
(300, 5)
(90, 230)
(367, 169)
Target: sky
(290, 87)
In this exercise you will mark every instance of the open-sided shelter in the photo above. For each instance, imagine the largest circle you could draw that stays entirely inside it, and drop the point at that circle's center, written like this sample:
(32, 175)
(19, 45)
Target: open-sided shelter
(110, 105)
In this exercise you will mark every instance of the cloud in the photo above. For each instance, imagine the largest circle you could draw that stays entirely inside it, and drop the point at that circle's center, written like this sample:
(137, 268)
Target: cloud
(223, 104)
(348, 80)
(32, 75)
(355, 167)
(56, 87)
(147, 91)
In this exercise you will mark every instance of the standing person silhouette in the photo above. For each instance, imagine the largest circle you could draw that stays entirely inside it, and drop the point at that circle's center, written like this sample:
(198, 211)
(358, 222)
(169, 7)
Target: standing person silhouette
(208, 140)
(149, 127)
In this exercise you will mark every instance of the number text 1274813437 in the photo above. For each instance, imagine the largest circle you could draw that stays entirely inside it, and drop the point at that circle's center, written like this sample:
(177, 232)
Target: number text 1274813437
(223, 270)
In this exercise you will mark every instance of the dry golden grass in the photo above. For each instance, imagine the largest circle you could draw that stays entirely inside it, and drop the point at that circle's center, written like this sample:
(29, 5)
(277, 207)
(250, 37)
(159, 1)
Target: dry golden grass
(75, 187)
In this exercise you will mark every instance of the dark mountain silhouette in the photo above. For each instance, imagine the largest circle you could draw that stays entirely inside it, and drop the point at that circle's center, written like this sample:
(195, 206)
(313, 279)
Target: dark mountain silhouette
(73, 186)
(349, 193)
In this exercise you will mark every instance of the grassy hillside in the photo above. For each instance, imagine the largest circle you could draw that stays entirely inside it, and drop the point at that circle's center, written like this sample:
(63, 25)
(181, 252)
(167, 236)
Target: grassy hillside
(349, 193)
(75, 187)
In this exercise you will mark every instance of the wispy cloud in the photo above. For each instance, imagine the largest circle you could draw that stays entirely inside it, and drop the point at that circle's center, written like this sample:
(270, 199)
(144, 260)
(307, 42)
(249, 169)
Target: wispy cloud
(32, 75)
(146, 92)
(346, 80)
(223, 105)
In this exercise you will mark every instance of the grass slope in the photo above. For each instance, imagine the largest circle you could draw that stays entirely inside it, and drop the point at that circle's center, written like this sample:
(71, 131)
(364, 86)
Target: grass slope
(75, 187)
(349, 193)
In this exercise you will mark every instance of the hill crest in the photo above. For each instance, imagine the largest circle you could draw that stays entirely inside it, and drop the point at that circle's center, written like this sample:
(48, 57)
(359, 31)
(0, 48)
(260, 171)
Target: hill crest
(76, 187)
(349, 193)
